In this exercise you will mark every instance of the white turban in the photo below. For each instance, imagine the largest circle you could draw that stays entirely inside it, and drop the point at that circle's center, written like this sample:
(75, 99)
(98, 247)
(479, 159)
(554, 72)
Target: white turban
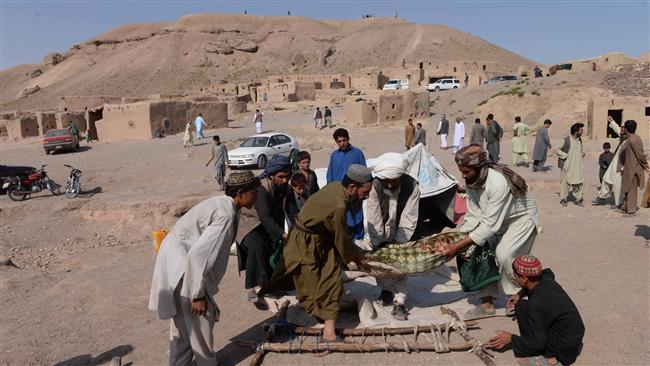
(389, 166)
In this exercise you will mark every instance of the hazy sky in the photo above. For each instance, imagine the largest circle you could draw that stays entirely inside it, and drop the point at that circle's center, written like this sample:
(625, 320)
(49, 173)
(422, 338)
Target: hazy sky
(547, 31)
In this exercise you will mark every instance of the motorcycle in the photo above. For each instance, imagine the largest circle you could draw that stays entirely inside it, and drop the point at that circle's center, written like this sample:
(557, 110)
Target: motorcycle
(19, 189)
(73, 185)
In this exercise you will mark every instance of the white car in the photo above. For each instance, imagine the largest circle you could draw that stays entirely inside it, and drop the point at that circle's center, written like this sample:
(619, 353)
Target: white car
(444, 84)
(259, 149)
(395, 84)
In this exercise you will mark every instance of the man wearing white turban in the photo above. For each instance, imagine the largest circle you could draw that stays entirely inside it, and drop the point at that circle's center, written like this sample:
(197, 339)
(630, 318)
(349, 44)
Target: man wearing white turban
(392, 216)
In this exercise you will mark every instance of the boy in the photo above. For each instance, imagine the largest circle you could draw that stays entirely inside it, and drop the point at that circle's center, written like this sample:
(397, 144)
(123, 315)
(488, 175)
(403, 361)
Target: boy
(549, 322)
(296, 199)
(604, 160)
(304, 166)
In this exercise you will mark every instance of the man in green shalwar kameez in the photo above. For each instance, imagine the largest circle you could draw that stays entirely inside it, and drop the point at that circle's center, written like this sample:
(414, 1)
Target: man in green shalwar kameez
(318, 243)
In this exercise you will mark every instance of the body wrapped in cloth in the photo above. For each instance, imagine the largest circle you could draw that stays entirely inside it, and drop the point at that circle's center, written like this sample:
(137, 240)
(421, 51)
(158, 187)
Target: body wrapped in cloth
(410, 258)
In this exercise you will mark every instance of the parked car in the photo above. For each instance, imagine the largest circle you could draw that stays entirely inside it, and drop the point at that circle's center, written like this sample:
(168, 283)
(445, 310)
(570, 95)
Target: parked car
(60, 139)
(394, 84)
(259, 149)
(498, 79)
(444, 84)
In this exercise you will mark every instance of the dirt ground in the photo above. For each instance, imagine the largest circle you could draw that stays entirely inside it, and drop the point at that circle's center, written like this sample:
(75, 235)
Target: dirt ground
(79, 296)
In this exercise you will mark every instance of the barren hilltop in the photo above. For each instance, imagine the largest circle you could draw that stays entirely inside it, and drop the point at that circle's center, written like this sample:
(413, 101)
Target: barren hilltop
(190, 54)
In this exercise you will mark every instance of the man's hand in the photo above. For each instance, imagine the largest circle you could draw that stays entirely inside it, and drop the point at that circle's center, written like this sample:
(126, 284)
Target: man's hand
(501, 340)
(285, 236)
(199, 307)
(512, 301)
(446, 249)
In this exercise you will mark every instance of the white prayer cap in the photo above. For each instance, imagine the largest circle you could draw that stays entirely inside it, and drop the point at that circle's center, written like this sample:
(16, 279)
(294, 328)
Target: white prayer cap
(389, 166)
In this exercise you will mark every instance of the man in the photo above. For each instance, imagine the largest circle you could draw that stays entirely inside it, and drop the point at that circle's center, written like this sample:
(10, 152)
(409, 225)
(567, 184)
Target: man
(542, 144)
(409, 134)
(73, 129)
(328, 117)
(493, 138)
(572, 175)
(634, 162)
(318, 118)
(443, 130)
(550, 325)
(191, 263)
(612, 177)
(501, 214)
(199, 123)
(537, 71)
(420, 135)
(478, 134)
(304, 163)
(340, 161)
(268, 237)
(466, 79)
(319, 245)
(459, 135)
(220, 157)
(519, 144)
(258, 118)
(392, 216)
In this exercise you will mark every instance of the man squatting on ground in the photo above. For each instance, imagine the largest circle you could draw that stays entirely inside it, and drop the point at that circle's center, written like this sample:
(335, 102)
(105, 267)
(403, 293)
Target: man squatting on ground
(500, 213)
(392, 216)
(550, 325)
(265, 239)
(191, 262)
(319, 245)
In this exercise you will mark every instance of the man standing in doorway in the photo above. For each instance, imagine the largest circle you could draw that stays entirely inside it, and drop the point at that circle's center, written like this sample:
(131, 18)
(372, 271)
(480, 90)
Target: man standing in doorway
(199, 123)
(570, 157)
(459, 135)
(493, 138)
(443, 131)
(519, 144)
(220, 157)
(409, 134)
(258, 118)
(634, 163)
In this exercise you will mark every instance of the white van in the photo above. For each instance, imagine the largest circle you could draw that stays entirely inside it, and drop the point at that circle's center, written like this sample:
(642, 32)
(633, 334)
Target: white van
(394, 84)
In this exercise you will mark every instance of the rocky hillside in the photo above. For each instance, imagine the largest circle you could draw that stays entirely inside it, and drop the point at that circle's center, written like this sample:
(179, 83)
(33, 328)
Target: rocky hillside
(189, 54)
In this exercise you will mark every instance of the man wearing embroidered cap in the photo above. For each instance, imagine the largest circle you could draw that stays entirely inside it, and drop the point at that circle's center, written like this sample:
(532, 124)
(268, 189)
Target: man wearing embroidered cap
(392, 215)
(500, 213)
(191, 262)
(319, 245)
(550, 325)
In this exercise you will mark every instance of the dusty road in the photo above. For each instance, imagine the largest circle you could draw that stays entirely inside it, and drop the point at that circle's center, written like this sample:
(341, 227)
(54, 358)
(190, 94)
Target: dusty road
(80, 294)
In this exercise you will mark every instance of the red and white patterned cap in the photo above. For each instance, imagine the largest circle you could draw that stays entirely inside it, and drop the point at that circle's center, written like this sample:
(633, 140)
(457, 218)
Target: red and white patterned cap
(527, 265)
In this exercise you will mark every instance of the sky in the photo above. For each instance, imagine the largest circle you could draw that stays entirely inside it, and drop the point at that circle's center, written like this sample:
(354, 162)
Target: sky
(545, 31)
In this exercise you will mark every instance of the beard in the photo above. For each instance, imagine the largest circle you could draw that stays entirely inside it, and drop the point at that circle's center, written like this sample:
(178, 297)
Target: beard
(471, 180)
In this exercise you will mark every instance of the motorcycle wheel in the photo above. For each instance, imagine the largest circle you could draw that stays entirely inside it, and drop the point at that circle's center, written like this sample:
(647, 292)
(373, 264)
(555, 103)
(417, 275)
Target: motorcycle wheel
(14, 196)
(54, 188)
(72, 190)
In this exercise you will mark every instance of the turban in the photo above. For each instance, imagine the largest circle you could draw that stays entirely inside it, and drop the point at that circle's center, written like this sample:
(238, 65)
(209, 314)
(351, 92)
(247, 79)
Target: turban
(475, 157)
(359, 173)
(472, 156)
(527, 265)
(389, 166)
(277, 163)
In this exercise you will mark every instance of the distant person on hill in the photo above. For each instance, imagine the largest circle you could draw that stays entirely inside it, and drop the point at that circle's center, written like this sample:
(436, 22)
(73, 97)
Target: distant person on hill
(328, 117)
(443, 131)
(318, 119)
(187, 137)
(478, 134)
(199, 123)
(604, 160)
(493, 138)
(258, 118)
(542, 144)
(220, 157)
(466, 79)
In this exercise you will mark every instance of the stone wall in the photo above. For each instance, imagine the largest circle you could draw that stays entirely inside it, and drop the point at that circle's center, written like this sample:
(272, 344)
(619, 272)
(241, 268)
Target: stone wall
(215, 114)
(46, 121)
(368, 81)
(635, 108)
(125, 122)
(361, 112)
(402, 104)
(64, 118)
(21, 127)
(81, 103)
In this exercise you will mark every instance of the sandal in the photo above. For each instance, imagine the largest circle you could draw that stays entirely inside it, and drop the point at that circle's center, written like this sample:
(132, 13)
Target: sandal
(257, 301)
(297, 315)
(479, 313)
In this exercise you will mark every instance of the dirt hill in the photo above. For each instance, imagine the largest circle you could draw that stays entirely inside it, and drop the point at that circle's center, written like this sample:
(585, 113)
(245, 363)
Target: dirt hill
(187, 55)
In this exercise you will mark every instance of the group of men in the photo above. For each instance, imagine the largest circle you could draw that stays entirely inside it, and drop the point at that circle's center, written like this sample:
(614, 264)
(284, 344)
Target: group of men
(325, 115)
(414, 134)
(325, 236)
(479, 135)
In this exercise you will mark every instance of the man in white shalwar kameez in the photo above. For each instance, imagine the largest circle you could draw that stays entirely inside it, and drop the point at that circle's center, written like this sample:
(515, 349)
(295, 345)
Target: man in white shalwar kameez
(570, 160)
(459, 135)
(500, 213)
(392, 216)
(612, 179)
(191, 262)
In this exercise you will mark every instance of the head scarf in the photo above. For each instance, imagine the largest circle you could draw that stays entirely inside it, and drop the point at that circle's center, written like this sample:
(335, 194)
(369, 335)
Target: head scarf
(389, 166)
(474, 156)
(277, 163)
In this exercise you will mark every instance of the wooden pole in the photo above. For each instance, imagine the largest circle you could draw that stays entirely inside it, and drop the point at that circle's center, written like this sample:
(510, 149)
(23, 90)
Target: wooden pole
(359, 332)
(296, 347)
(477, 348)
